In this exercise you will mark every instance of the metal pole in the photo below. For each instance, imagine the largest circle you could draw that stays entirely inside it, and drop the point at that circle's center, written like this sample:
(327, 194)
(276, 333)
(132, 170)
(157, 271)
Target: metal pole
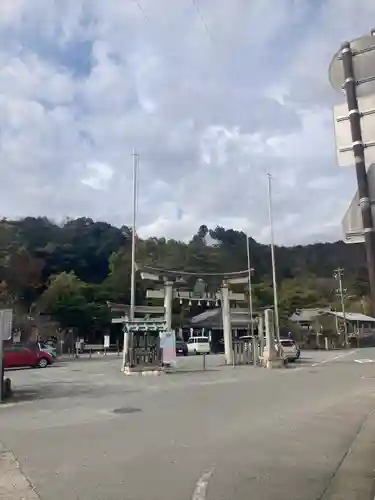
(359, 156)
(128, 341)
(132, 282)
(338, 275)
(250, 287)
(129, 332)
(275, 297)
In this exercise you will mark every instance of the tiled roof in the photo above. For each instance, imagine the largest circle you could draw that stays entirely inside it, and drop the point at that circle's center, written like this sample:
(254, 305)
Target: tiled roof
(307, 315)
(354, 316)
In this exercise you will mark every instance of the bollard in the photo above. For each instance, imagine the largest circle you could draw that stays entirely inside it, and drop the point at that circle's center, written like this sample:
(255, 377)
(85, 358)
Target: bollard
(90, 353)
(204, 362)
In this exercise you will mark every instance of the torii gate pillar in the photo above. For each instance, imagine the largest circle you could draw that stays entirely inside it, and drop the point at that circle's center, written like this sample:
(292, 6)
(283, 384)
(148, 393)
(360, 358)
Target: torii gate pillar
(168, 299)
(227, 324)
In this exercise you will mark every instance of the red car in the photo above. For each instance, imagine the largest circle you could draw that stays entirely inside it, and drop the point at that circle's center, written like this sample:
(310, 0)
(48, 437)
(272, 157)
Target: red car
(21, 356)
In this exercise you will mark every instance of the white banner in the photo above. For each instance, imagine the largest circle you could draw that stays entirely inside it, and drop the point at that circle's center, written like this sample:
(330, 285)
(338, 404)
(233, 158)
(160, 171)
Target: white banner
(168, 344)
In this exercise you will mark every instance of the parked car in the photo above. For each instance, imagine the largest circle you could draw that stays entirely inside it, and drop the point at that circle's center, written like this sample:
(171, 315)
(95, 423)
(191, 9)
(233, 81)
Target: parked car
(279, 349)
(23, 356)
(181, 347)
(48, 348)
(41, 346)
(290, 349)
(199, 345)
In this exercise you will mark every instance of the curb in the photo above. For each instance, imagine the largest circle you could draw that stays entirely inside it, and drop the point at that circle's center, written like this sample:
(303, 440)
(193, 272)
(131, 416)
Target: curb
(355, 477)
(13, 483)
(130, 372)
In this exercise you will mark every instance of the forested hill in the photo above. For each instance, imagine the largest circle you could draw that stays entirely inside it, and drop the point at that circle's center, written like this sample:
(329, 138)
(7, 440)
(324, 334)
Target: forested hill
(42, 263)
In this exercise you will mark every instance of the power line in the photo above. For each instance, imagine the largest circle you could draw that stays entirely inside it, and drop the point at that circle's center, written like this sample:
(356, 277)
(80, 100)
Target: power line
(141, 9)
(203, 21)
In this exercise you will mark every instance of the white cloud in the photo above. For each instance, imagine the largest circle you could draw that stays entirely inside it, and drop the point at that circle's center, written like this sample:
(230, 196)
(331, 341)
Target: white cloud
(87, 79)
(98, 175)
(10, 11)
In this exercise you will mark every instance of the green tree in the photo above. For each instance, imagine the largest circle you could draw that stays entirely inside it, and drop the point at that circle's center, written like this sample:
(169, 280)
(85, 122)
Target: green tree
(96, 258)
(23, 275)
(64, 300)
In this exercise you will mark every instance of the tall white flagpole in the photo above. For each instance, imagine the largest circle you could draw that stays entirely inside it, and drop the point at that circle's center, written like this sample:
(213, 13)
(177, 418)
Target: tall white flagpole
(274, 280)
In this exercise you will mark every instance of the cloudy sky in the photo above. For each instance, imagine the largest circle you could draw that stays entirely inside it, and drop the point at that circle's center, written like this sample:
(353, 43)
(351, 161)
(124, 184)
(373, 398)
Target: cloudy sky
(210, 98)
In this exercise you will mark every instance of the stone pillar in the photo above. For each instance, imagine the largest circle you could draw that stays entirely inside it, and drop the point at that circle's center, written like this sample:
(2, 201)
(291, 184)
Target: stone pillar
(255, 351)
(271, 358)
(126, 351)
(168, 297)
(227, 324)
(261, 334)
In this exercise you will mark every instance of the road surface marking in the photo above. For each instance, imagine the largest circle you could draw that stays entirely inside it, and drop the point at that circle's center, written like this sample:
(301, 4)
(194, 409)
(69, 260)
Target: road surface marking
(201, 486)
(365, 360)
(335, 358)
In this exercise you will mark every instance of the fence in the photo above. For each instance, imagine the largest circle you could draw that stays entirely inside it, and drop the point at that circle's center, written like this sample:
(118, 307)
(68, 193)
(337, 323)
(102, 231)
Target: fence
(246, 351)
(145, 350)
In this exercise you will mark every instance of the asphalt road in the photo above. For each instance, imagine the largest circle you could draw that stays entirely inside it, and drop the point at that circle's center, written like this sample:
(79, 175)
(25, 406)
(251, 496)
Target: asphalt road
(82, 430)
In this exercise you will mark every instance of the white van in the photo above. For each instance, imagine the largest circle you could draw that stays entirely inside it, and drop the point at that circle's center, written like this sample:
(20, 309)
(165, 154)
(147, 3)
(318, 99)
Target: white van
(198, 345)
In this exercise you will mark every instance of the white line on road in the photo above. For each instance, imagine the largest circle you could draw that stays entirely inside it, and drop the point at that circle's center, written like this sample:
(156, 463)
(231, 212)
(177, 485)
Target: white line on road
(201, 486)
(335, 358)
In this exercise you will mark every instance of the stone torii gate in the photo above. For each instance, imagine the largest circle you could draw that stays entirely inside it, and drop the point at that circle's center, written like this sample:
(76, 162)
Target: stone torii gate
(169, 291)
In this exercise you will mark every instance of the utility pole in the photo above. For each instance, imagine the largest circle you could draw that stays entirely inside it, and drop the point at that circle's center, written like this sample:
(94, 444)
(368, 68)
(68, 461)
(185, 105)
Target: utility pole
(250, 286)
(128, 335)
(272, 245)
(338, 274)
